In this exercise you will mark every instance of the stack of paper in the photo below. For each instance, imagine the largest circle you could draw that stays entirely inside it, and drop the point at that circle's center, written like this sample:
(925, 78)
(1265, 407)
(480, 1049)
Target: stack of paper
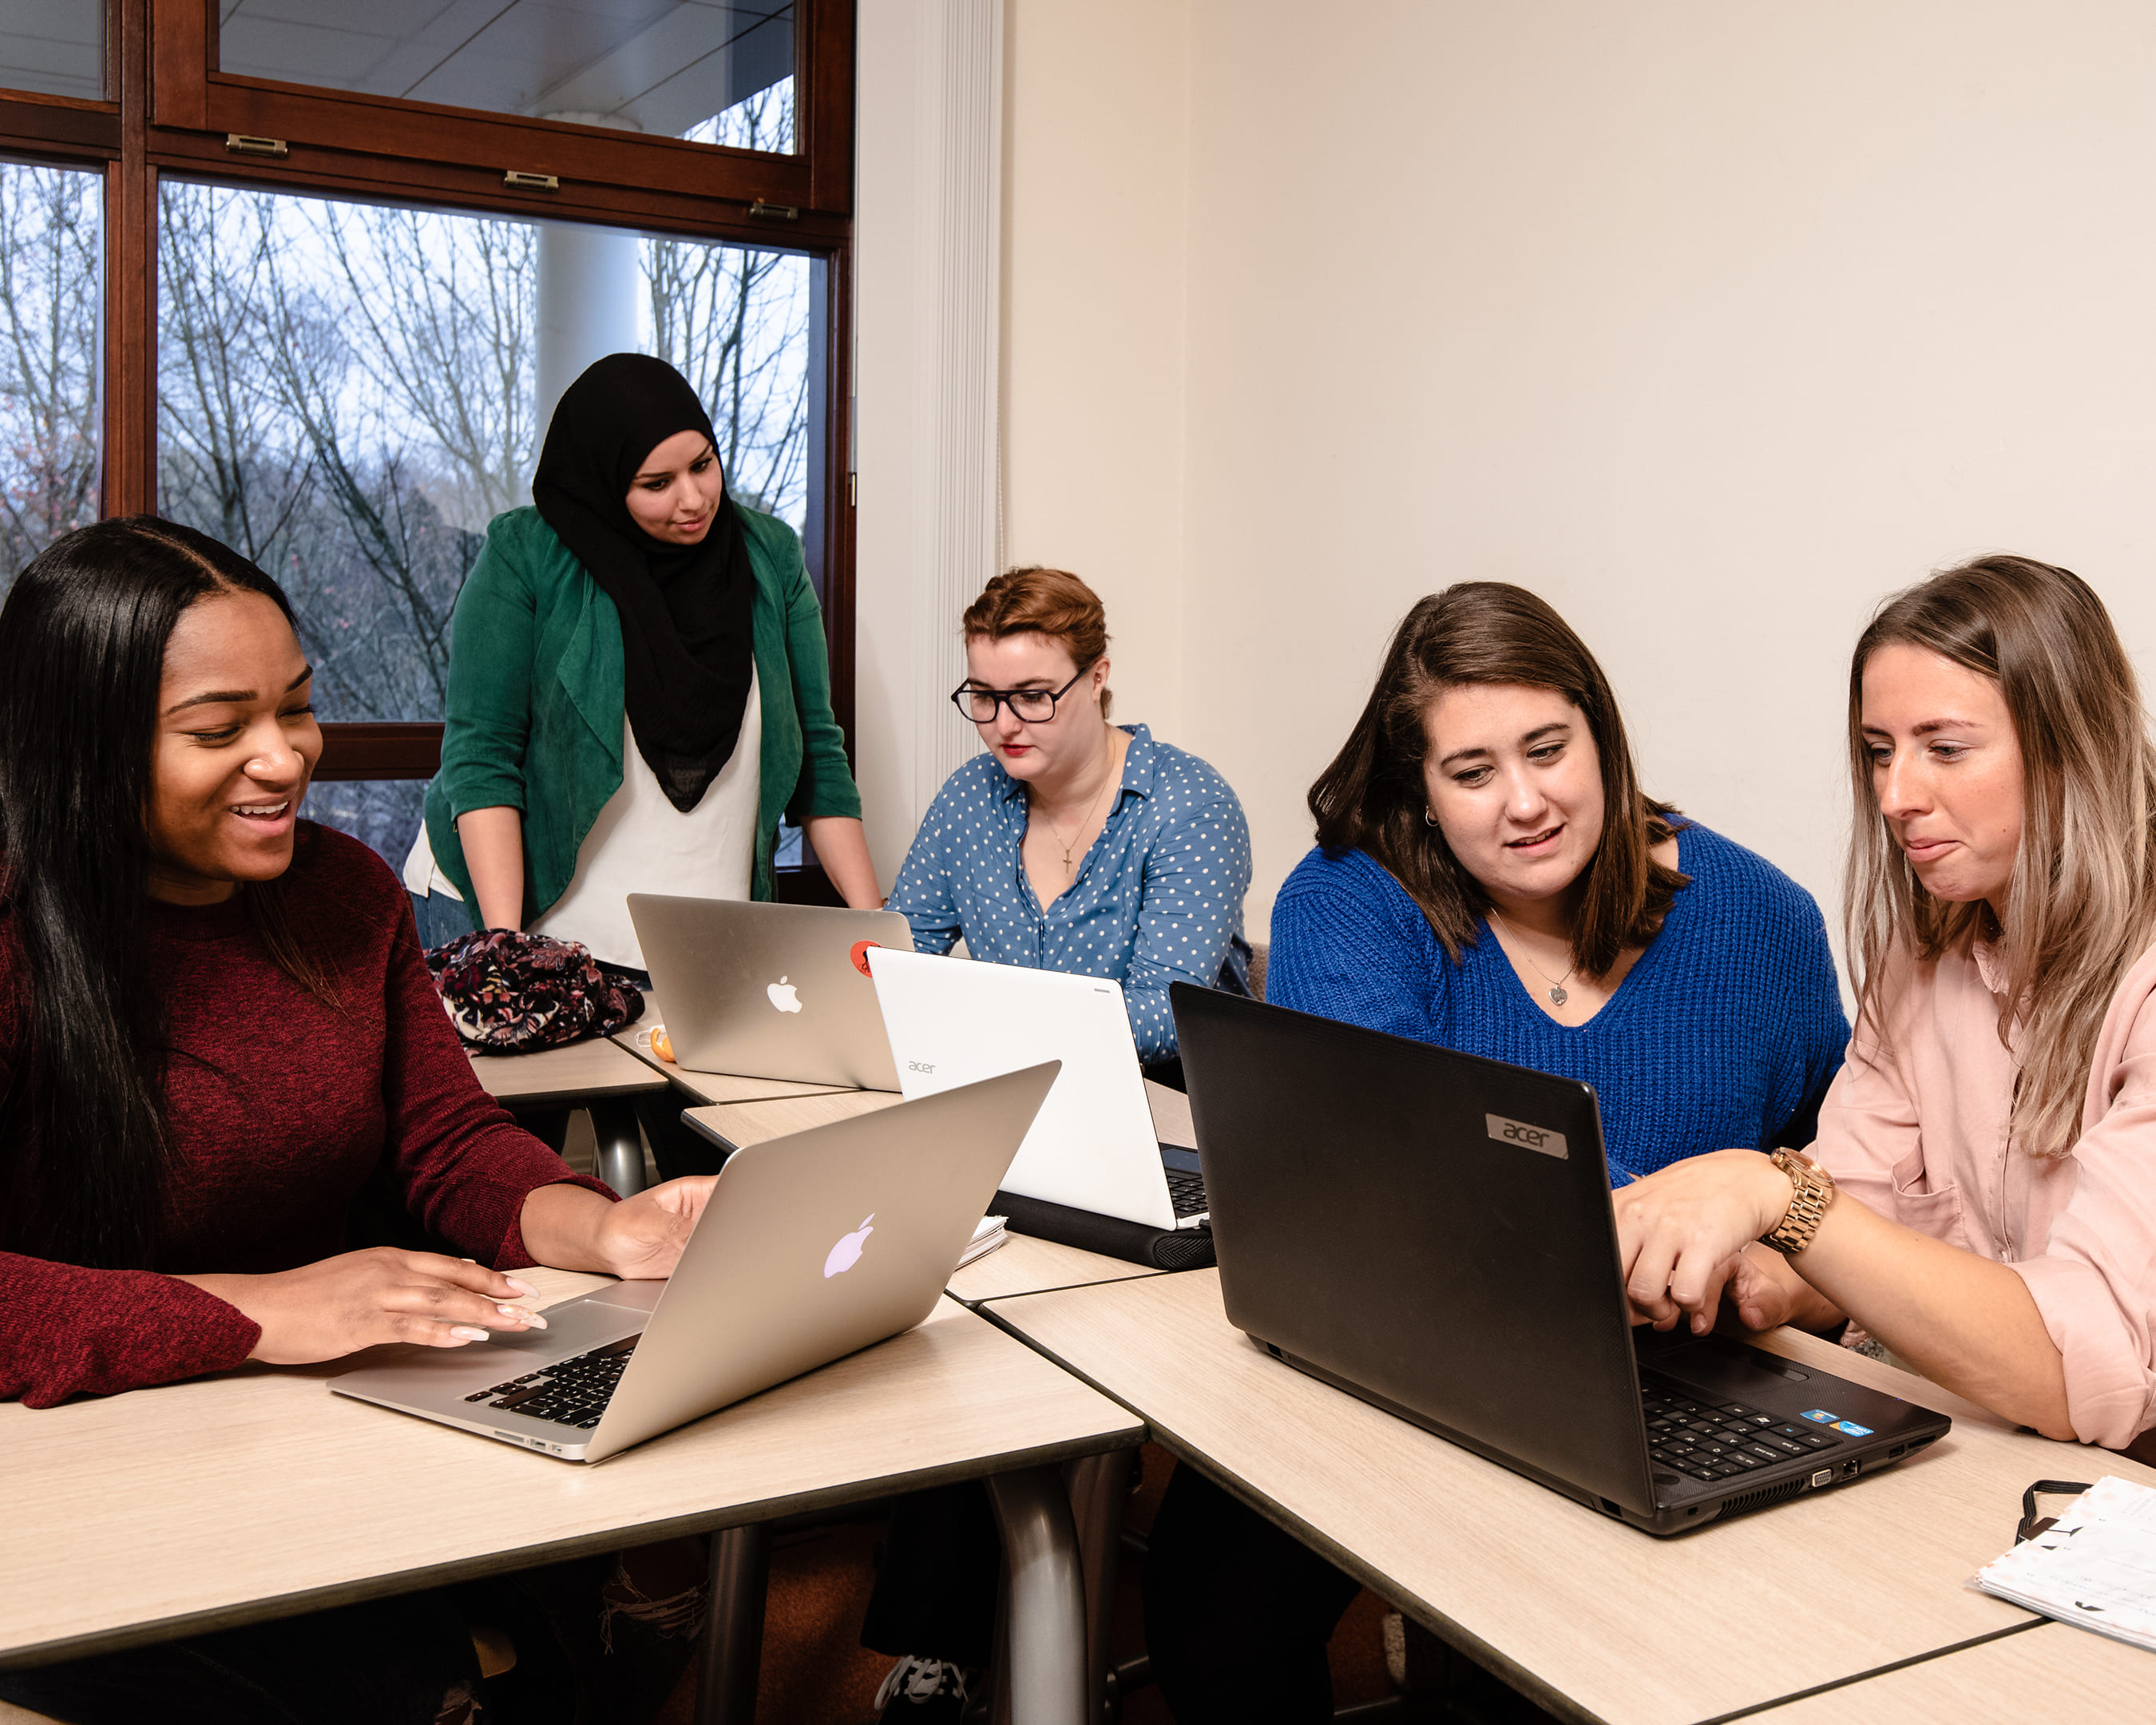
(986, 1238)
(2095, 1566)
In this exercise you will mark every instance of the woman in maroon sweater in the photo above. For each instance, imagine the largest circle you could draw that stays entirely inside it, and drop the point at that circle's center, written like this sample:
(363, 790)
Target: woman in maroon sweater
(215, 1028)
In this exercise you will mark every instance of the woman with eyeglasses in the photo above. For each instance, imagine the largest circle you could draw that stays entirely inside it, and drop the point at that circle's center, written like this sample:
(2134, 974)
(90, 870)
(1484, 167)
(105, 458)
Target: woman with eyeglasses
(1074, 843)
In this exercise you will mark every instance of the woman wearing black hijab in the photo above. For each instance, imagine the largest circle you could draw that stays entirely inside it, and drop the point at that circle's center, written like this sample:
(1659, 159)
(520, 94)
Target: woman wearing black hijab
(639, 689)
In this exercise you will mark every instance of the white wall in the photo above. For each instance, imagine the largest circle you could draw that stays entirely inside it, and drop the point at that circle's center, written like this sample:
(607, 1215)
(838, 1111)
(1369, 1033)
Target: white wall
(1711, 322)
(1096, 117)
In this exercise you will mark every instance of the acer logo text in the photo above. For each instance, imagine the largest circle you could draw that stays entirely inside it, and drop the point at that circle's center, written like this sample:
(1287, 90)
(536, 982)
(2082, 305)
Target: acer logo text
(1531, 1137)
(920, 1065)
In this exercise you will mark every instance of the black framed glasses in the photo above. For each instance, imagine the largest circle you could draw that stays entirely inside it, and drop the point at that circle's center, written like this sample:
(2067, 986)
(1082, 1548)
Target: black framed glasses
(1029, 706)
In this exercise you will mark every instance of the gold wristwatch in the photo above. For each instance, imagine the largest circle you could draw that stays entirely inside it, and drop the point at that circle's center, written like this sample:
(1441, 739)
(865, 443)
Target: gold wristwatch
(1814, 1191)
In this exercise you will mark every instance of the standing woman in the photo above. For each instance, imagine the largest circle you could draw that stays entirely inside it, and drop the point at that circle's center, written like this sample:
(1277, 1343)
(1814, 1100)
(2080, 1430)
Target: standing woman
(1073, 844)
(639, 689)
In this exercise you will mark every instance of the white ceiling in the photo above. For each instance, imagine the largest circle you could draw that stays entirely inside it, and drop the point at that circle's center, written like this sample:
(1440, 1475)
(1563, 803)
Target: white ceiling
(661, 66)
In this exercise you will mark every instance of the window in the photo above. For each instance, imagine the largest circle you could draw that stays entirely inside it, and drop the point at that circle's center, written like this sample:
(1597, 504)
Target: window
(315, 262)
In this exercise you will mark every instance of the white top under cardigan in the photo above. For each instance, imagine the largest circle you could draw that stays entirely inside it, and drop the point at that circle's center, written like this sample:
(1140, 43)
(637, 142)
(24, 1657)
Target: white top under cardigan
(642, 843)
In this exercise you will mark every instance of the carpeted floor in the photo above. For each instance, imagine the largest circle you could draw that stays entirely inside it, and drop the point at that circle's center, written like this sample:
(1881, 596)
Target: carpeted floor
(816, 1672)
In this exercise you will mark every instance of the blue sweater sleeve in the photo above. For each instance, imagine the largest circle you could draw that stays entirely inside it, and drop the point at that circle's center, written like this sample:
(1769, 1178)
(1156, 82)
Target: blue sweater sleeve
(1348, 943)
(1815, 1028)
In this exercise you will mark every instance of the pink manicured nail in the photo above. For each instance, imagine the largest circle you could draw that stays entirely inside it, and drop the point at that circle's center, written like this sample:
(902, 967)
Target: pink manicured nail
(465, 1332)
(519, 1285)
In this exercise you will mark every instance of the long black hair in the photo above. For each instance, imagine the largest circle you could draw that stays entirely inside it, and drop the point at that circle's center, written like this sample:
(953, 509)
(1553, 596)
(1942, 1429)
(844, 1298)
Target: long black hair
(82, 655)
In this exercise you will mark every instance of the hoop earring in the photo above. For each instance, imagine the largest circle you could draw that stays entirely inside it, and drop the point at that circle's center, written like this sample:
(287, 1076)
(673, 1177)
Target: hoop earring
(1428, 819)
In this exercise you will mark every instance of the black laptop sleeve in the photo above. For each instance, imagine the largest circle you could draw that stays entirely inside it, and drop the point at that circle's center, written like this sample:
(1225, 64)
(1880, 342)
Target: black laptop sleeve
(1133, 1242)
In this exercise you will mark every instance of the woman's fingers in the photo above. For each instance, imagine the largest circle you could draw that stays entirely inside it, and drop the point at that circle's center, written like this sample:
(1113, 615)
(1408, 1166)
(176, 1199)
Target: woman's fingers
(452, 1306)
(465, 1273)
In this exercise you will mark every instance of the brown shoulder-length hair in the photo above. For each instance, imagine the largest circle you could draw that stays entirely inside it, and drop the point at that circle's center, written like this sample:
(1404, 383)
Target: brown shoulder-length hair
(1372, 798)
(2081, 905)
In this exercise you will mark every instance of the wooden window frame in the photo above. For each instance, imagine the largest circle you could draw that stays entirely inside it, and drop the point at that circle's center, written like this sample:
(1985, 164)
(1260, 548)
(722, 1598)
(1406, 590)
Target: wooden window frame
(167, 111)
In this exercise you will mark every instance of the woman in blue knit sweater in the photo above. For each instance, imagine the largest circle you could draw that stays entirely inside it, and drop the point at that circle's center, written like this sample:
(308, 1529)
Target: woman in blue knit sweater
(1489, 876)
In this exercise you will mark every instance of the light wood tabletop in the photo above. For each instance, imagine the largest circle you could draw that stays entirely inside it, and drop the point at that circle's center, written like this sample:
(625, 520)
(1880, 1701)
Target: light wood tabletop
(1590, 1616)
(2048, 1671)
(706, 1087)
(576, 1073)
(258, 1494)
(742, 1124)
(1023, 1265)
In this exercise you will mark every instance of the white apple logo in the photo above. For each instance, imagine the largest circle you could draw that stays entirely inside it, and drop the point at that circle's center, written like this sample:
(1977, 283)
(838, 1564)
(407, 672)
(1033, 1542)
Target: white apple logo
(848, 1251)
(782, 996)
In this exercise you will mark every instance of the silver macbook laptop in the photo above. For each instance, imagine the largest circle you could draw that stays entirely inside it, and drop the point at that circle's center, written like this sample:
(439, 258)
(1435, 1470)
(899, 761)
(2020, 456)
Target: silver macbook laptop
(811, 1246)
(772, 991)
(954, 1020)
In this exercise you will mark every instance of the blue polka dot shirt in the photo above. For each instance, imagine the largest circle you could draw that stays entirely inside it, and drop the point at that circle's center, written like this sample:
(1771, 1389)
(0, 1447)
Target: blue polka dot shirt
(1158, 899)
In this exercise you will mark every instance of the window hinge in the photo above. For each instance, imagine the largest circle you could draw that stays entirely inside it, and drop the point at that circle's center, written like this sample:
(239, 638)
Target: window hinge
(850, 477)
(763, 212)
(518, 180)
(241, 144)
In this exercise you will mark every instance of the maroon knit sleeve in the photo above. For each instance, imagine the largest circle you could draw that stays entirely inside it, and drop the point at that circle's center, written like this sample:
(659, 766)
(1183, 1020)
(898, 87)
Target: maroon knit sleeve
(69, 1331)
(464, 1165)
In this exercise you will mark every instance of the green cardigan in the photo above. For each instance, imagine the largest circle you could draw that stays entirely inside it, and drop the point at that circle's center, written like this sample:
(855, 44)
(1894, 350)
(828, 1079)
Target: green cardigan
(536, 702)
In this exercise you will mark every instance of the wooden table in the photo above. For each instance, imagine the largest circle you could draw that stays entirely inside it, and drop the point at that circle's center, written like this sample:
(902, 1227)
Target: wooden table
(2040, 1672)
(1022, 1265)
(703, 1087)
(595, 1074)
(1592, 1617)
(258, 1494)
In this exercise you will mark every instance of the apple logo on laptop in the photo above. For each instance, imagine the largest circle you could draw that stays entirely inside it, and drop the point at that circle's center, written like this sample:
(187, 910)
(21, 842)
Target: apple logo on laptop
(782, 996)
(848, 1251)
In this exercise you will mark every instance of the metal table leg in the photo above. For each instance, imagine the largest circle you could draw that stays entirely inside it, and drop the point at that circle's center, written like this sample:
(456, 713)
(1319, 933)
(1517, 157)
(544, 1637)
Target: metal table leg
(1047, 1673)
(620, 1159)
(733, 1626)
(1099, 1488)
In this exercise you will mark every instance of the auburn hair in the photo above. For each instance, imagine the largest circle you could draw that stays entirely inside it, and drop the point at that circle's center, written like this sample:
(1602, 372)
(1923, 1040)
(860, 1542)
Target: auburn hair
(2081, 908)
(1047, 602)
(1373, 798)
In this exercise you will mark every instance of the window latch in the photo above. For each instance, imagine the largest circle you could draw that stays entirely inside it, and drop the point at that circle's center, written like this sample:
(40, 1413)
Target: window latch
(760, 211)
(518, 180)
(241, 144)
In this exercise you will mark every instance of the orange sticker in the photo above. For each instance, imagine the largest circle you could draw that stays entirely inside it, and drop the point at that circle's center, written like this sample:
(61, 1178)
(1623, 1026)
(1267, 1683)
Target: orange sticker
(861, 958)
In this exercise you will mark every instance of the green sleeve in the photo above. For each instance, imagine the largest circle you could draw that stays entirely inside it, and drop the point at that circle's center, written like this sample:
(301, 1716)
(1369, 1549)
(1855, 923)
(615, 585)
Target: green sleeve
(488, 714)
(826, 784)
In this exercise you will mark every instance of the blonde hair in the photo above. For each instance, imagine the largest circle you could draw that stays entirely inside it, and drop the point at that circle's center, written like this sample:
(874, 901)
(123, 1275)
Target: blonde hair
(2082, 906)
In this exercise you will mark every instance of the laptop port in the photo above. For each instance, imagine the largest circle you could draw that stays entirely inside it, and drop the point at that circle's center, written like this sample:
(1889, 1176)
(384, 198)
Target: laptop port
(1849, 1469)
(1897, 1449)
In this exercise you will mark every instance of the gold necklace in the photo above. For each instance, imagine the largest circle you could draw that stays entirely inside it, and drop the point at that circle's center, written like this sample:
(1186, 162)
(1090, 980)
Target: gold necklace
(1070, 868)
(1557, 994)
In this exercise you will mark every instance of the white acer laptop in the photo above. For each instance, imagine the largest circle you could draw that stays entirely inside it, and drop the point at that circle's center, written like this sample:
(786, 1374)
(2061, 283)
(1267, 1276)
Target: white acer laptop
(952, 1021)
(810, 1247)
(770, 991)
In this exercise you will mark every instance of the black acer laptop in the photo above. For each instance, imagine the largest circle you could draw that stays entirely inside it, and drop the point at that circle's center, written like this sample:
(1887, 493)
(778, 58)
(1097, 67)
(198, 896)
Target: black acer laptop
(1432, 1232)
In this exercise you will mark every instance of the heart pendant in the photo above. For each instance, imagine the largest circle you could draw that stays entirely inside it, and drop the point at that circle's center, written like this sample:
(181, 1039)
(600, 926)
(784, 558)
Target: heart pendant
(1558, 997)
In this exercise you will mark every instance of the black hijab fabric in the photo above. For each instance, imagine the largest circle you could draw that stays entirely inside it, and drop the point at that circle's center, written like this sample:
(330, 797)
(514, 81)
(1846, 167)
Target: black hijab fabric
(687, 645)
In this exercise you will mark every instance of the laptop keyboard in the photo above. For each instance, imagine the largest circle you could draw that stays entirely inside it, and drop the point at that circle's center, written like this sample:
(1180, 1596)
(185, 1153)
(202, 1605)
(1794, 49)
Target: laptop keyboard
(1187, 1193)
(574, 1393)
(1715, 1442)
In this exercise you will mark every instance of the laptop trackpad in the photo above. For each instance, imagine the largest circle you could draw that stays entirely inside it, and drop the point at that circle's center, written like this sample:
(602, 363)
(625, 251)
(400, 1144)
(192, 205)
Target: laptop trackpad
(635, 1295)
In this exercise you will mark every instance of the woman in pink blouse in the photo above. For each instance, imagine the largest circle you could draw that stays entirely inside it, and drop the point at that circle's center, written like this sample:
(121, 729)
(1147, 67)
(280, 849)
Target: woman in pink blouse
(1988, 1151)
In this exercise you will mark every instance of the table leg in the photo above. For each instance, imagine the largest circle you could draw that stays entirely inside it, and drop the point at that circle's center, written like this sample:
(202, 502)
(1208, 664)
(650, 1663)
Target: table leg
(620, 1156)
(1099, 1488)
(733, 1625)
(1047, 1666)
